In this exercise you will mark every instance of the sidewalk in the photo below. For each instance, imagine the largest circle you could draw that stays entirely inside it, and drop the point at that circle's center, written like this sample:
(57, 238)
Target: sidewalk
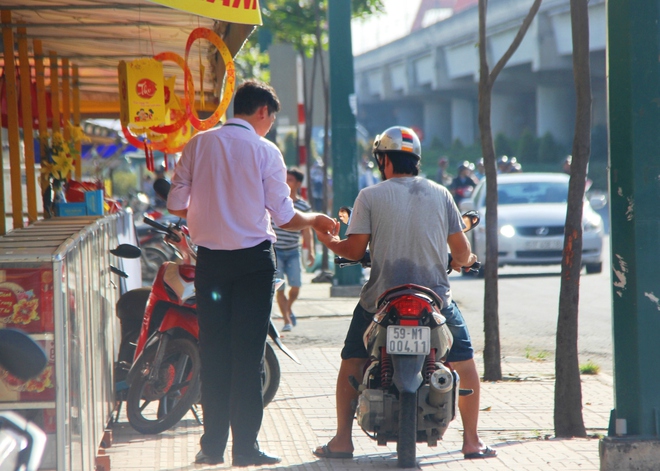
(516, 417)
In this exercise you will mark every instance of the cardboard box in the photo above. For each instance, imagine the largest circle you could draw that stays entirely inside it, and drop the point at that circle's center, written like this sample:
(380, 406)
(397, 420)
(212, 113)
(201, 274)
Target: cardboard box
(141, 93)
(71, 209)
(94, 202)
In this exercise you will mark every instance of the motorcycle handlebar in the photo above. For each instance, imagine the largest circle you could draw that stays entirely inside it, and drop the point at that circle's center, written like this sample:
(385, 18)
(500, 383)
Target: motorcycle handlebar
(474, 267)
(162, 228)
(365, 261)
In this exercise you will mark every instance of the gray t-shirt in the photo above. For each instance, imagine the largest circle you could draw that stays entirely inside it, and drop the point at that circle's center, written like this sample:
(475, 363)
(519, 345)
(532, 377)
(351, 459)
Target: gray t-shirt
(409, 219)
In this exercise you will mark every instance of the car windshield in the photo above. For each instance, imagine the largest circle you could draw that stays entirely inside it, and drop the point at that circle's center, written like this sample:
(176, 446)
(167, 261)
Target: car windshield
(532, 192)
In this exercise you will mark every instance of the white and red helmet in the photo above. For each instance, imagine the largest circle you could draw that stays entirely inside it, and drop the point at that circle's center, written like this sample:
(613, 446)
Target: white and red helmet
(398, 139)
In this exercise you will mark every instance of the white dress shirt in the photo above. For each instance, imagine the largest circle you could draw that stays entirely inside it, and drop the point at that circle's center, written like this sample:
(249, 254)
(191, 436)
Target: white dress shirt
(231, 181)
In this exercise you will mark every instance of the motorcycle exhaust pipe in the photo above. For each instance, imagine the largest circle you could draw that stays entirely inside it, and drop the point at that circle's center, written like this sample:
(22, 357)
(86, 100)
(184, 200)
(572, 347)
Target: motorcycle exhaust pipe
(441, 383)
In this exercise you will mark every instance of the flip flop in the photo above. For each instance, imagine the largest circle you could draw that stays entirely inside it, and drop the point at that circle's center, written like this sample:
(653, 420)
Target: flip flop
(326, 452)
(294, 321)
(488, 452)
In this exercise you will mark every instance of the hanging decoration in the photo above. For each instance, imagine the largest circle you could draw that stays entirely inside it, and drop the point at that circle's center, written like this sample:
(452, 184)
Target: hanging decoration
(148, 125)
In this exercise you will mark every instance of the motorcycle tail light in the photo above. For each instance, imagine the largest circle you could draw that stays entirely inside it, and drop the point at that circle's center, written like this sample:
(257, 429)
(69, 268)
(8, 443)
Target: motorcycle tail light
(410, 306)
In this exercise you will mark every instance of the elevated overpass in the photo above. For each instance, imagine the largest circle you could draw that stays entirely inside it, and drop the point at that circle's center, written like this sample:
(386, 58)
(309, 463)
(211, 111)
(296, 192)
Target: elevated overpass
(429, 79)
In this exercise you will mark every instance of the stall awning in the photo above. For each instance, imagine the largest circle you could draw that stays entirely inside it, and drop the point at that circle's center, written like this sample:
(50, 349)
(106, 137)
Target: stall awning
(96, 35)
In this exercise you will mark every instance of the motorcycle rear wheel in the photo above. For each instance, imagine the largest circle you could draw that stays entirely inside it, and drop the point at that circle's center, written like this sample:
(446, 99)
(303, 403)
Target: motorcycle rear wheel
(270, 379)
(176, 388)
(406, 447)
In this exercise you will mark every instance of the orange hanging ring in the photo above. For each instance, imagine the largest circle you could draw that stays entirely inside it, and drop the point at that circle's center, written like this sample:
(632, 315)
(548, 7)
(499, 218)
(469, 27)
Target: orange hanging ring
(177, 59)
(208, 123)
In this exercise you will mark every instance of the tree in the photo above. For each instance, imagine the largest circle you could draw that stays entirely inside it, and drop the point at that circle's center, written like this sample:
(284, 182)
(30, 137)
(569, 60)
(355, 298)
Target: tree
(568, 394)
(528, 147)
(302, 23)
(492, 365)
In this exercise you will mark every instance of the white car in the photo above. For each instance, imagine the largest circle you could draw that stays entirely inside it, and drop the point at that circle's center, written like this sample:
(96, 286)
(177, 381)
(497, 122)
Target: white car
(531, 215)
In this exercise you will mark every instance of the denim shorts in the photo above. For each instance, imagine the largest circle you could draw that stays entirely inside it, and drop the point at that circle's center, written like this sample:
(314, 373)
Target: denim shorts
(461, 349)
(288, 263)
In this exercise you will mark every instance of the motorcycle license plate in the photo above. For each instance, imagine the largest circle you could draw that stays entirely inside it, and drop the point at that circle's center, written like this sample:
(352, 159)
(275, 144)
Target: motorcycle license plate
(408, 340)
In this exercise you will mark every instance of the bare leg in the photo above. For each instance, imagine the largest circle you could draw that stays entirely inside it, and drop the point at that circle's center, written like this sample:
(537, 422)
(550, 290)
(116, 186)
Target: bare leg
(283, 304)
(469, 405)
(293, 295)
(346, 396)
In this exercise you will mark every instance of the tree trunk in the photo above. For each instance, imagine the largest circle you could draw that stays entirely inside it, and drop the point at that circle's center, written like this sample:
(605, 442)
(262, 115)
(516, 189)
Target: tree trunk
(492, 364)
(568, 393)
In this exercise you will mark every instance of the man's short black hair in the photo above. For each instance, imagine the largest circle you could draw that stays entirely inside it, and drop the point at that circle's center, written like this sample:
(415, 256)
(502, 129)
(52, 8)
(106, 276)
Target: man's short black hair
(297, 174)
(252, 95)
(403, 162)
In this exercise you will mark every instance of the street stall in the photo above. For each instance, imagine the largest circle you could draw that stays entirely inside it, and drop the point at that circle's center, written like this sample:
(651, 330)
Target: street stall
(168, 74)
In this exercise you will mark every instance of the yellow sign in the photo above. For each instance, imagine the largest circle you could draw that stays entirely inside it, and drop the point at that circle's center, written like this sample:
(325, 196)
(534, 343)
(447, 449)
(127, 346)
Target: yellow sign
(141, 93)
(232, 11)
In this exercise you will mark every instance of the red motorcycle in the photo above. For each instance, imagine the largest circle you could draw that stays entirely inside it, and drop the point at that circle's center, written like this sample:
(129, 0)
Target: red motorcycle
(163, 381)
(408, 392)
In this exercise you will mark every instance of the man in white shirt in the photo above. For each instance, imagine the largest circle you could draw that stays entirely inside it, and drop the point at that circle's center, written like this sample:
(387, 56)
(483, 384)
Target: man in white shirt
(228, 184)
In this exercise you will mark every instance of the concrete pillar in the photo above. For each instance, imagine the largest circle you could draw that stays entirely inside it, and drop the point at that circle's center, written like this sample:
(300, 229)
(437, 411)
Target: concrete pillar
(512, 114)
(406, 115)
(555, 112)
(463, 119)
(437, 122)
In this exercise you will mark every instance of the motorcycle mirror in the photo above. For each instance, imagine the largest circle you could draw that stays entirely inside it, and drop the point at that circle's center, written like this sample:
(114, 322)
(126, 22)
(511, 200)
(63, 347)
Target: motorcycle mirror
(162, 187)
(471, 219)
(117, 271)
(344, 214)
(126, 251)
(20, 355)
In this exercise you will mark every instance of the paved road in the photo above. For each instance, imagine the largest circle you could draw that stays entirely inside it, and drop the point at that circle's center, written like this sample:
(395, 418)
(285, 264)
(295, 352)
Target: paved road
(528, 308)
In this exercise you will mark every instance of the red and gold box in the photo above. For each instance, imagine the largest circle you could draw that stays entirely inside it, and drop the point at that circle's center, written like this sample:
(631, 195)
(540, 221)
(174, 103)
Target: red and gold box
(26, 299)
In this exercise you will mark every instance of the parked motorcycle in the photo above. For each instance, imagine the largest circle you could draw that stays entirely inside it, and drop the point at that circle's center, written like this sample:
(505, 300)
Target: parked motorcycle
(155, 251)
(166, 363)
(408, 392)
(22, 443)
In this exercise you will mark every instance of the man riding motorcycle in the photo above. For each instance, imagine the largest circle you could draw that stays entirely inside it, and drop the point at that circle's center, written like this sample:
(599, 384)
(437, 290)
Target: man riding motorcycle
(407, 221)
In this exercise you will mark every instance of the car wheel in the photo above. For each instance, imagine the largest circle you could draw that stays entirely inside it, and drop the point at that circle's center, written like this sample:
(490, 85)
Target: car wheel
(593, 268)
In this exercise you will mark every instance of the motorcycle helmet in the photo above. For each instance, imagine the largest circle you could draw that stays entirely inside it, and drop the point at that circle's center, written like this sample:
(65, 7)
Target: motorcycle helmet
(465, 165)
(398, 139)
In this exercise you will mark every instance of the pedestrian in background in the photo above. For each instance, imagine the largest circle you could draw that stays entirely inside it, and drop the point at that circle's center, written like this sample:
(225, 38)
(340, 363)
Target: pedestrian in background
(441, 176)
(287, 250)
(228, 184)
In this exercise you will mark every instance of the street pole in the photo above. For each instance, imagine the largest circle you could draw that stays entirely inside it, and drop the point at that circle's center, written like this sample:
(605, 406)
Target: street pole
(343, 129)
(634, 118)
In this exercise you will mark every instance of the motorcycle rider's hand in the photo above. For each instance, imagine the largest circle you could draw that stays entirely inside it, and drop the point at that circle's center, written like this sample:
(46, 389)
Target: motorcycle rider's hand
(325, 237)
(458, 267)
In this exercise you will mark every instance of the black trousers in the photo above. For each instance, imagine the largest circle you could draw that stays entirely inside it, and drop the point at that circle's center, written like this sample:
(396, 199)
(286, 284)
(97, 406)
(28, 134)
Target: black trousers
(234, 290)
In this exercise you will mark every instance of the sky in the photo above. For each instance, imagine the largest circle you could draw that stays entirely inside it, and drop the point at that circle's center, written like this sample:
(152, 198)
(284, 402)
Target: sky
(384, 28)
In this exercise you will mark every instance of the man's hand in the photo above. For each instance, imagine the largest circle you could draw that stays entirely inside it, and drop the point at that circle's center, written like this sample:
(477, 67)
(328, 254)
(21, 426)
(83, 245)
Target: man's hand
(311, 257)
(325, 224)
(326, 238)
(458, 267)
